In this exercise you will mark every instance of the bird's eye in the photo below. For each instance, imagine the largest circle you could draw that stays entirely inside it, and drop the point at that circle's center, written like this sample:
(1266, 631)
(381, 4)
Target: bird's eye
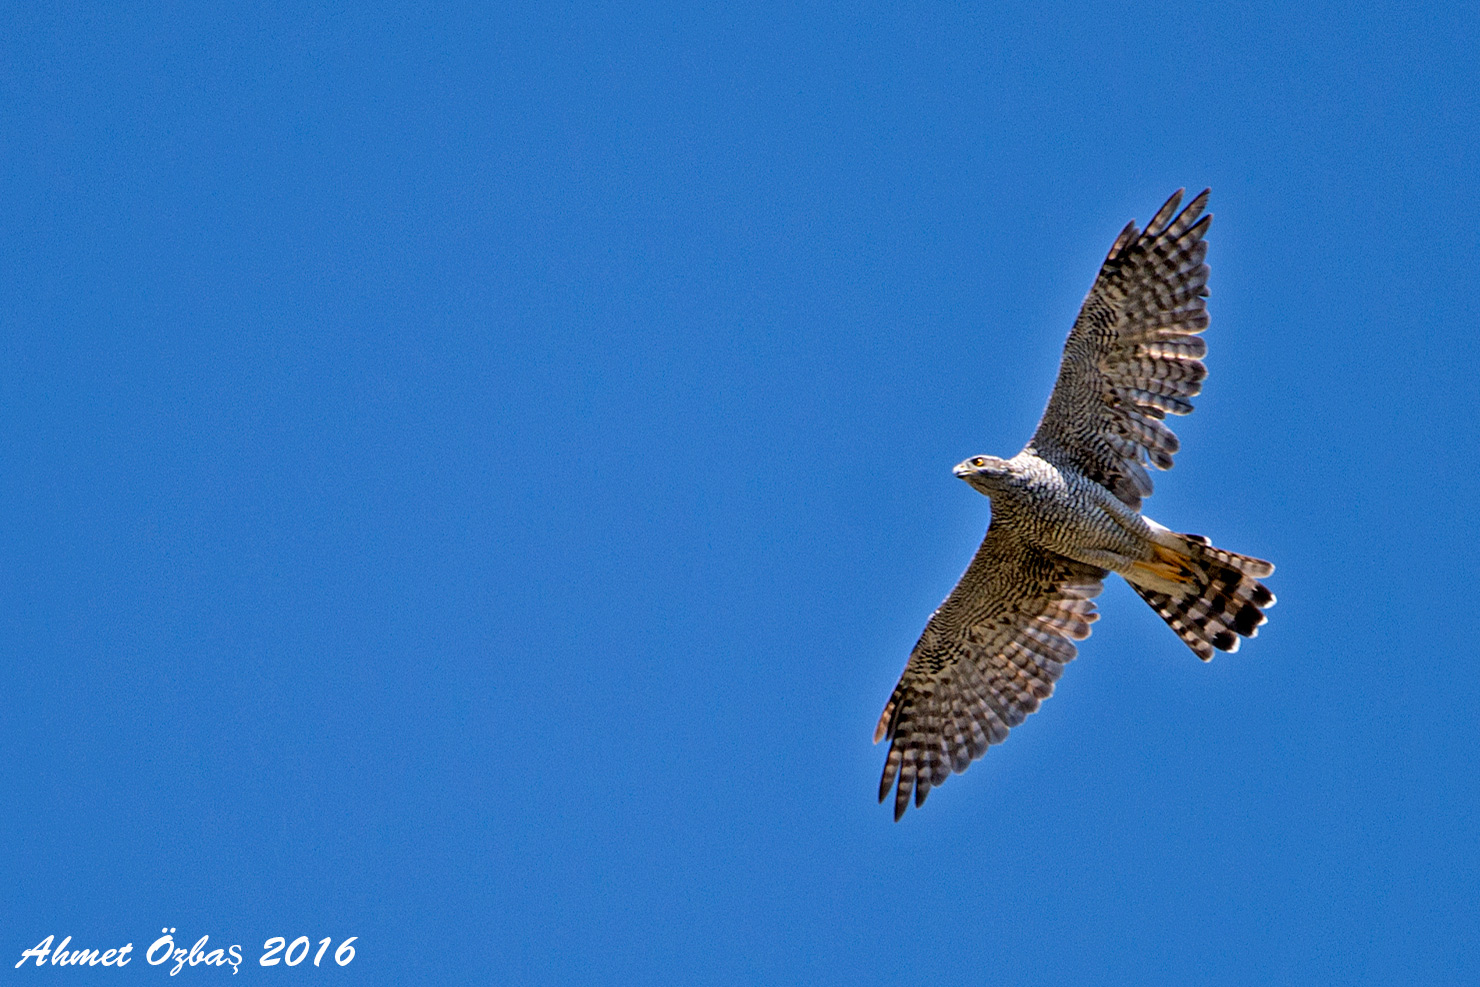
(979, 461)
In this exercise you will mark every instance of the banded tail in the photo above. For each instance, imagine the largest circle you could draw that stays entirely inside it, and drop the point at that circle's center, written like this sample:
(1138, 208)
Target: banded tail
(1209, 596)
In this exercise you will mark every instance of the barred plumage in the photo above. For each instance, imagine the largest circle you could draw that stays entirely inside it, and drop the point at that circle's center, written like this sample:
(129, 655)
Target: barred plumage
(984, 668)
(1065, 512)
(1136, 334)
(1222, 601)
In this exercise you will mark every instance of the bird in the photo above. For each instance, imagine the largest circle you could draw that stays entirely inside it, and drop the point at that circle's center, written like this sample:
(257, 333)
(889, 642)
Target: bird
(1066, 512)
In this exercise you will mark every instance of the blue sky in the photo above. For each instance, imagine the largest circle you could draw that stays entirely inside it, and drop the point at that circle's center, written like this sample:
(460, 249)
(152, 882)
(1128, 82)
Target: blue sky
(474, 474)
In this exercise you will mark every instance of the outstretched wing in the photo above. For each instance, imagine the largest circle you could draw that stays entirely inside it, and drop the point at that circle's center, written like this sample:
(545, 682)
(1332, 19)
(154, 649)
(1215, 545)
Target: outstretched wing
(988, 656)
(1133, 356)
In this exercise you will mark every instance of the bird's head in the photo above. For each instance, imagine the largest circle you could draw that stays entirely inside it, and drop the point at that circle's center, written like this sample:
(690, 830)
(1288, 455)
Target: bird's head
(987, 474)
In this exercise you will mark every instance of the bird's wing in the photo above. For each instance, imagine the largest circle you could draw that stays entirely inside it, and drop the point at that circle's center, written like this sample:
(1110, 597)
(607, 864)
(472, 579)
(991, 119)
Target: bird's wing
(1133, 356)
(988, 656)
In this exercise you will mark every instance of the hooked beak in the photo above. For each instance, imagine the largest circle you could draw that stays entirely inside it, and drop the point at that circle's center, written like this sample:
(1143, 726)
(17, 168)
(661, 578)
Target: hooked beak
(964, 469)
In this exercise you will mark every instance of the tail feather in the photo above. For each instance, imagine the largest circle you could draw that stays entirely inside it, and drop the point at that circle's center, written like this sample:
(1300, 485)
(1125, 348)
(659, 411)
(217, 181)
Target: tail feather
(1219, 601)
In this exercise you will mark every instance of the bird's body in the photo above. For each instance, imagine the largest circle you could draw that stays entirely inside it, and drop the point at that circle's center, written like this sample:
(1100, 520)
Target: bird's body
(1066, 512)
(1060, 510)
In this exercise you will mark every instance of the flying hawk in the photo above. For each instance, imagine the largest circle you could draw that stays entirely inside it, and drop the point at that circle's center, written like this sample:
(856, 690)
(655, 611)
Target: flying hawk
(1067, 510)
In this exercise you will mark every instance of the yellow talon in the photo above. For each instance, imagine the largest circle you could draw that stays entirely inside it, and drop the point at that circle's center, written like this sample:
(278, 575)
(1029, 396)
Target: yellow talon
(1166, 564)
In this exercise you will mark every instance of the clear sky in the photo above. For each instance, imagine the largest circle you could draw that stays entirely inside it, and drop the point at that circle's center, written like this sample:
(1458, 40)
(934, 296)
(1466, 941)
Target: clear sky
(472, 477)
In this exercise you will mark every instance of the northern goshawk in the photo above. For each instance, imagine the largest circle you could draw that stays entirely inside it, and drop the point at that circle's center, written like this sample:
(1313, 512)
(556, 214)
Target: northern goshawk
(1066, 511)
